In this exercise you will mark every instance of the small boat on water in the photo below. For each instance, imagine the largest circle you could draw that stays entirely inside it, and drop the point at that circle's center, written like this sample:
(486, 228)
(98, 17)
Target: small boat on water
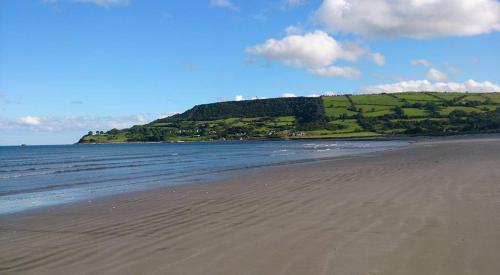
(23, 145)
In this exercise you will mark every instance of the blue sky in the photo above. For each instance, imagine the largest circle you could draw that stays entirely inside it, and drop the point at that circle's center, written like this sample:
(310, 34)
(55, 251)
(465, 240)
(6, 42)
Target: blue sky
(70, 66)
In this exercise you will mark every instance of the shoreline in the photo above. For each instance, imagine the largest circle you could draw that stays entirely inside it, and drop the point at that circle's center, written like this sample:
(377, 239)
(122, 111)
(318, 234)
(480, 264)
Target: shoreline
(374, 138)
(427, 208)
(227, 175)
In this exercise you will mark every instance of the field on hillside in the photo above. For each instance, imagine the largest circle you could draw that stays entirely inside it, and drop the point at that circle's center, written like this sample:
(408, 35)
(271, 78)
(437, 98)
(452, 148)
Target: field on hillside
(340, 116)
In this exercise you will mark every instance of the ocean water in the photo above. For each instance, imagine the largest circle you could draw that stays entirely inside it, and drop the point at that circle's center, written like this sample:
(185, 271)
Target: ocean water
(38, 176)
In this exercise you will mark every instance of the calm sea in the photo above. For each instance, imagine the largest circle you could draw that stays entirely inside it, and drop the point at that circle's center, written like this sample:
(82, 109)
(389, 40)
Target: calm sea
(37, 176)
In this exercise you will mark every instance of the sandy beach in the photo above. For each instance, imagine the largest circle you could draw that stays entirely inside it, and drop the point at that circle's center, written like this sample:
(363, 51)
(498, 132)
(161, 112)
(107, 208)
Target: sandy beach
(430, 208)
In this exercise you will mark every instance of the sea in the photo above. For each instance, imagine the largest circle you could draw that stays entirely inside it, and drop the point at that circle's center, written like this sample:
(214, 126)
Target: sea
(32, 177)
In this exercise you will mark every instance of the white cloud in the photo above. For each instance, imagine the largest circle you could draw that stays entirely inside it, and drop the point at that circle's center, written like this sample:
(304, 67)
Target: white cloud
(103, 3)
(224, 4)
(239, 98)
(425, 85)
(313, 95)
(378, 58)
(410, 18)
(422, 62)
(288, 95)
(314, 51)
(30, 120)
(436, 75)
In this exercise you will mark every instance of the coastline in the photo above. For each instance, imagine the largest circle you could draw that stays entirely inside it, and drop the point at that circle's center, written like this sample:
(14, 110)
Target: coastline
(414, 138)
(424, 208)
(222, 176)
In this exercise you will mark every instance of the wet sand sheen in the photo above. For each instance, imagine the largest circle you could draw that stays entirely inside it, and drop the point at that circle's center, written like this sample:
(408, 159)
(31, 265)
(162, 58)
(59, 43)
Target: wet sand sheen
(432, 208)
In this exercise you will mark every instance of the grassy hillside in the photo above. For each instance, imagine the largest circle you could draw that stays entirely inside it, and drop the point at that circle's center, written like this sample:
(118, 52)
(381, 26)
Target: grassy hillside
(347, 116)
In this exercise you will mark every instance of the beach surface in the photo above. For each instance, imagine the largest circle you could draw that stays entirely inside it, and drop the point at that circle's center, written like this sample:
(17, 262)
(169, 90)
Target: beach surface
(430, 208)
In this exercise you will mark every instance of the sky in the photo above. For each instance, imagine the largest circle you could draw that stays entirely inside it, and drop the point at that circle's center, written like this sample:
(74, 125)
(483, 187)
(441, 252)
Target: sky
(71, 66)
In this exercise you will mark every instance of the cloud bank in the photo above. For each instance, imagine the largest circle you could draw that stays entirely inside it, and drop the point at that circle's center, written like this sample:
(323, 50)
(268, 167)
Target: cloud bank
(68, 123)
(410, 18)
(425, 85)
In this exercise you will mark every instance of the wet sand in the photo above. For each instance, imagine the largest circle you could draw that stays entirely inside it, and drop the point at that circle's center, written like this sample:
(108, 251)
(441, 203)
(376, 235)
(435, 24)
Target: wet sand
(431, 208)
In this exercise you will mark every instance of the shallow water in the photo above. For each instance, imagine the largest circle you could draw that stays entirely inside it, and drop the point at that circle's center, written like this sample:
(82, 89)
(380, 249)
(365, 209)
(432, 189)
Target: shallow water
(37, 176)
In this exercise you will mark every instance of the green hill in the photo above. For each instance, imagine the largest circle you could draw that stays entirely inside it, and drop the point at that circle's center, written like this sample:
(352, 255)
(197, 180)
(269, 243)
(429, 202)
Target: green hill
(346, 116)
